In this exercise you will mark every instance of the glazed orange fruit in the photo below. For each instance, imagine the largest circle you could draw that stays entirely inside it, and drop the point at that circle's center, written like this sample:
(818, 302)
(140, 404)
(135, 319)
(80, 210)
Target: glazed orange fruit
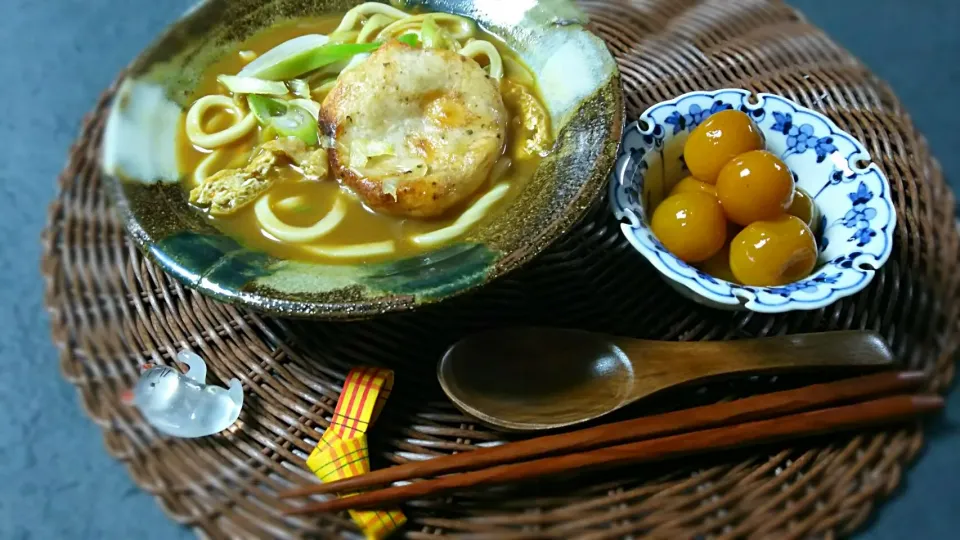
(690, 183)
(690, 225)
(804, 208)
(755, 186)
(718, 266)
(776, 252)
(720, 138)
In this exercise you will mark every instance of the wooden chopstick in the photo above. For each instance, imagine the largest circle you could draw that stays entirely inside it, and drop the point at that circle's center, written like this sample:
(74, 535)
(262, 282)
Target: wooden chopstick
(859, 415)
(742, 410)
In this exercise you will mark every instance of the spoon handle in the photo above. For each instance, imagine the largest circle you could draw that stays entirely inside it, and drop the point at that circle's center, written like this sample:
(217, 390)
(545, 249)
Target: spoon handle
(682, 362)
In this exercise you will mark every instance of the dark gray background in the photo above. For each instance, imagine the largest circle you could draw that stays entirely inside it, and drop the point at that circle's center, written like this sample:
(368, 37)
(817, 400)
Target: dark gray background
(56, 56)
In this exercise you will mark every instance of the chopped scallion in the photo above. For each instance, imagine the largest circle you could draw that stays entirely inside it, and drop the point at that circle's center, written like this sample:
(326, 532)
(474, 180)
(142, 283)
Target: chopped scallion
(252, 85)
(288, 119)
(409, 39)
(308, 60)
(300, 88)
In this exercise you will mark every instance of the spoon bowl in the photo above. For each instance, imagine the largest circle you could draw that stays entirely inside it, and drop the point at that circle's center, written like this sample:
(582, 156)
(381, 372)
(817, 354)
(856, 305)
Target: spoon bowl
(525, 379)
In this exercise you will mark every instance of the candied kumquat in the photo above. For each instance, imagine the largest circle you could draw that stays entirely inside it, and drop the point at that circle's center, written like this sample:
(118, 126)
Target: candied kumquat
(755, 186)
(804, 208)
(691, 225)
(771, 253)
(692, 184)
(718, 266)
(720, 138)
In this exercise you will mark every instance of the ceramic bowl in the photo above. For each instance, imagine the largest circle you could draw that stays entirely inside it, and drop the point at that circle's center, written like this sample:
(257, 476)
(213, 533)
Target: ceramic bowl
(581, 88)
(855, 232)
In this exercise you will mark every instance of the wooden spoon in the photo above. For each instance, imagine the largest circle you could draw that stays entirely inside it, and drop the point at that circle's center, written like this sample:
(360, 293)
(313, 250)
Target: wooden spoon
(526, 379)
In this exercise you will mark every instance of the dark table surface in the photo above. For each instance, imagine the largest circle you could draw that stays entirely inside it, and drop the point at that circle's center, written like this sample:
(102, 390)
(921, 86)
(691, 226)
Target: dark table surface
(56, 480)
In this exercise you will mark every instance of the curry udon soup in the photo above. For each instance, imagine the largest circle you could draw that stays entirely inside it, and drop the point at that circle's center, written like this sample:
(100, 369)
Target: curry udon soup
(371, 136)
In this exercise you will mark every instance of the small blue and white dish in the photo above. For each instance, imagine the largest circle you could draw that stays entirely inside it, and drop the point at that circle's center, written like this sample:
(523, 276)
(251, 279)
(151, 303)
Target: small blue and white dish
(857, 219)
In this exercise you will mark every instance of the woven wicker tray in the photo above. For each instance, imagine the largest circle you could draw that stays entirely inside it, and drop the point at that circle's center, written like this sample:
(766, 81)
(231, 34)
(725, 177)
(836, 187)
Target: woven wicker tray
(111, 309)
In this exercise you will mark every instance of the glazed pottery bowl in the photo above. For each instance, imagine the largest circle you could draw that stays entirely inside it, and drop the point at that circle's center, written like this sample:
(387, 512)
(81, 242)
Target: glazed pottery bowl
(580, 86)
(855, 230)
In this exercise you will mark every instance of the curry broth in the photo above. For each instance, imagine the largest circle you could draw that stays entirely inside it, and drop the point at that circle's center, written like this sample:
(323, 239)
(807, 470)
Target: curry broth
(303, 202)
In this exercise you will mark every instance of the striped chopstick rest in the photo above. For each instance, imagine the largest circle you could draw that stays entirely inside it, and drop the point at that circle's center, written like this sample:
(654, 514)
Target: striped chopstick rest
(342, 451)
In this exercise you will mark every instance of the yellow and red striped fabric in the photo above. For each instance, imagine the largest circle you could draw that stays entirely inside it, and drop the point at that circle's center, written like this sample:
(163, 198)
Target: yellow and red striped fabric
(342, 451)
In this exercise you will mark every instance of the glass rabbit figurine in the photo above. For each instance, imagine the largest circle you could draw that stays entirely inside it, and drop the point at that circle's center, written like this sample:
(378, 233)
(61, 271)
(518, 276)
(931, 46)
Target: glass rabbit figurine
(182, 405)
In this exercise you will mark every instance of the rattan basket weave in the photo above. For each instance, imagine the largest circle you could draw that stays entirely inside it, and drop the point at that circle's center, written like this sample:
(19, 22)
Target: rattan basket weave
(111, 310)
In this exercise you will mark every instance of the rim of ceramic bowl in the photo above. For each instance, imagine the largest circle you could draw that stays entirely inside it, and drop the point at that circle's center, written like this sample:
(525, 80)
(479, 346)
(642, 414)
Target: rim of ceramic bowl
(607, 99)
(852, 267)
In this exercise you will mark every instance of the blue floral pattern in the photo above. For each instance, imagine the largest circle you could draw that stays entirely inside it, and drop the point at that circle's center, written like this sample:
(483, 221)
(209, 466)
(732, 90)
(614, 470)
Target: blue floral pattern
(808, 285)
(860, 216)
(837, 177)
(782, 122)
(757, 113)
(801, 138)
(655, 137)
(695, 116)
(846, 261)
(855, 230)
(824, 147)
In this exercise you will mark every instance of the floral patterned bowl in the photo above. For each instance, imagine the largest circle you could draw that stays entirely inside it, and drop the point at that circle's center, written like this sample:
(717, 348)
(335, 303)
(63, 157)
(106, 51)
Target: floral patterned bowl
(855, 233)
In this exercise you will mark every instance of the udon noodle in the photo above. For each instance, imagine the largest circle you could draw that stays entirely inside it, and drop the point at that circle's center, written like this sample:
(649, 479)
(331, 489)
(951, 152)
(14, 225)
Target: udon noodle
(271, 200)
(222, 137)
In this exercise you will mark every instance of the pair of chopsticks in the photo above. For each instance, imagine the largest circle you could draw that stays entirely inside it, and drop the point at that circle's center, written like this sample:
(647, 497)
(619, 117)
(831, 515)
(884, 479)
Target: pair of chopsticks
(812, 410)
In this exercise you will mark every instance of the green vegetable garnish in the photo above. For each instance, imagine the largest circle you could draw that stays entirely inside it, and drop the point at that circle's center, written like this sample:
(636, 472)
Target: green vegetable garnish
(310, 59)
(300, 88)
(430, 34)
(410, 39)
(252, 85)
(287, 119)
(435, 36)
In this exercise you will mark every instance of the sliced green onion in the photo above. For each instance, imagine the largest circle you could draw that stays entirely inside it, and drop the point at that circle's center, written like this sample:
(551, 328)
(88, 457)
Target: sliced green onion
(252, 85)
(281, 52)
(264, 109)
(288, 119)
(433, 36)
(410, 39)
(430, 33)
(308, 60)
(300, 88)
(309, 105)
